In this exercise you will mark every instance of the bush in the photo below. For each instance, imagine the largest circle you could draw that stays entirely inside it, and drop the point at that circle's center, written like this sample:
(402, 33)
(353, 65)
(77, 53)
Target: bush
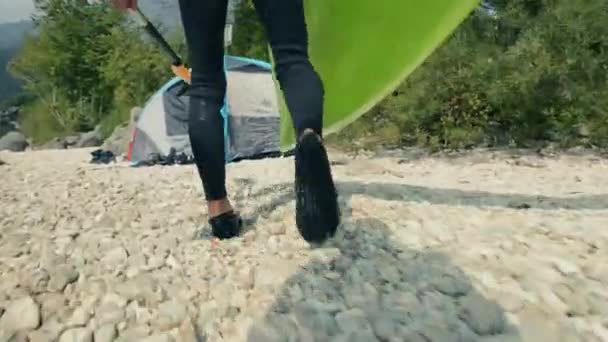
(535, 72)
(37, 123)
(249, 35)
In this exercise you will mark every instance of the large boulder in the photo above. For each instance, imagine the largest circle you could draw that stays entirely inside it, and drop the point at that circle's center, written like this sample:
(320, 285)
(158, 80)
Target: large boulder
(118, 142)
(71, 140)
(60, 143)
(90, 139)
(13, 141)
(54, 144)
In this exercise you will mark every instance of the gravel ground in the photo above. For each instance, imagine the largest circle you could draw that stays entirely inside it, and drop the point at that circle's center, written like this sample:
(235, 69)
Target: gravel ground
(482, 247)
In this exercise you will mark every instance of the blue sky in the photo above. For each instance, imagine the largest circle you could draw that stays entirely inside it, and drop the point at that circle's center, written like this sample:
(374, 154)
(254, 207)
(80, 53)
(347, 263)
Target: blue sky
(15, 10)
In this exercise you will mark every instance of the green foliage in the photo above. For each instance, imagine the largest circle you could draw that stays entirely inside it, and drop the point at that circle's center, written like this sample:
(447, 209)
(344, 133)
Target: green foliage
(135, 69)
(38, 124)
(249, 36)
(86, 67)
(535, 72)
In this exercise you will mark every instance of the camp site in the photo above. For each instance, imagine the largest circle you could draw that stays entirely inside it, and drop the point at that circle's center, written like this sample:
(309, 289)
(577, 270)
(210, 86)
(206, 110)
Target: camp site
(455, 189)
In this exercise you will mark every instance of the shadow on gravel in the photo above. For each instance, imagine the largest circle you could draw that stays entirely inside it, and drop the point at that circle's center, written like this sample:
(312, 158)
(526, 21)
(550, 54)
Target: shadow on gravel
(412, 193)
(418, 194)
(362, 286)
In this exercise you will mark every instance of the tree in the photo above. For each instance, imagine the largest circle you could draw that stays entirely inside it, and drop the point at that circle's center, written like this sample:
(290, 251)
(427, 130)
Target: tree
(249, 35)
(86, 66)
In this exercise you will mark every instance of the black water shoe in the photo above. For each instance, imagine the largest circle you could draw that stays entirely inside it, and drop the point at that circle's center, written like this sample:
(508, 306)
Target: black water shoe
(226, 225)
(317, 209)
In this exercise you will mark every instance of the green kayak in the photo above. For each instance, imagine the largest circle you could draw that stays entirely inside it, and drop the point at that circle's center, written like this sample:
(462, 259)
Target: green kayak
(364, 49)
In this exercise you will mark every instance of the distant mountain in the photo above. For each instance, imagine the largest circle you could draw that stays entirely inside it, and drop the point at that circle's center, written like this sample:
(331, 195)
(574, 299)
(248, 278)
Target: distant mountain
(11, 34)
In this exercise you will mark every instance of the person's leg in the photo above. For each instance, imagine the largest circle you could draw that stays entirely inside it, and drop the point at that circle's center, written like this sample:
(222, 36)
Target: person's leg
(317, 211)
(204, 22)
(302, 87)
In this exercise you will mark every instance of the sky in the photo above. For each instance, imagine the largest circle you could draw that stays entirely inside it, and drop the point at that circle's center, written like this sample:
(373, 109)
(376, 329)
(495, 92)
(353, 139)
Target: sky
(15, 10)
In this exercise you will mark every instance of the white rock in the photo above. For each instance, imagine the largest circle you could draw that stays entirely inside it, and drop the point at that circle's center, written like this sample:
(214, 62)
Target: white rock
(80, 317)
(277, 229)
(49, 331)
(186, 332)
(37, 280)
(136, 333)
(40, 336)
(565, 267)
(21, 314)
(171, 314)
(115, 257)
(109, 314)
(112, 298)
(76, 335)
(352, 320)
(246, 277)
(172, 262)
(105, 333)
(158, 338)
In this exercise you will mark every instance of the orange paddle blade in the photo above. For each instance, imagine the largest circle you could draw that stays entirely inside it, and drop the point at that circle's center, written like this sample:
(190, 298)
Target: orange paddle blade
(181, 72)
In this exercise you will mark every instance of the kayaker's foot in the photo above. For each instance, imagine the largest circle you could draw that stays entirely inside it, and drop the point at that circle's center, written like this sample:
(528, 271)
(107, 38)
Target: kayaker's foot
(225, 222)
(226, 225)
(317, 210)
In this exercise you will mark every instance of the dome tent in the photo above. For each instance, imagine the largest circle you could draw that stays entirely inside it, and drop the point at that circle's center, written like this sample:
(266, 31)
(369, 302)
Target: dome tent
(251, 116)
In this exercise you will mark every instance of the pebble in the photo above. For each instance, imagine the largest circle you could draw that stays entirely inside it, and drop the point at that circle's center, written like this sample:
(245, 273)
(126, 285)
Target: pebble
(80, 317)
(577, 304)
(109, 314)
(265, 332)
(510, 301)
(597, 271)
(113, 299)
(76, 335)
(135, 333)
(158, 338)
(187, 332)
(171, 314)
(312, 317)
(352, 320)
(565, 267)
(451, 285)
(38, 280)
(115, 257)
(481, 315)
(21, 314)
(105, 333)
(41, 336)
(277, 229)
(49, 331)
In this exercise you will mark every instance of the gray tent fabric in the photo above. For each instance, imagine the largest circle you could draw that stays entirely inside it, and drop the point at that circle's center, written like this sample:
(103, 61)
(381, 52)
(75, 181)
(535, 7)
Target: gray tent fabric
(251, 129)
